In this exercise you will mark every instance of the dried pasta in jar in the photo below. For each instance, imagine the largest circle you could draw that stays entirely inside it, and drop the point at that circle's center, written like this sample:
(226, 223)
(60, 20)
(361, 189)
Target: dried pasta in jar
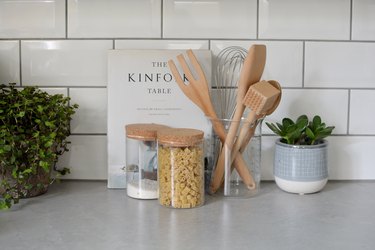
(180, 168)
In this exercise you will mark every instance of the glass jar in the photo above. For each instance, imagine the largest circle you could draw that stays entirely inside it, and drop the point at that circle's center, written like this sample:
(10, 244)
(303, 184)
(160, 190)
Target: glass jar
(232, 184)
(181, 168)
(141, 160)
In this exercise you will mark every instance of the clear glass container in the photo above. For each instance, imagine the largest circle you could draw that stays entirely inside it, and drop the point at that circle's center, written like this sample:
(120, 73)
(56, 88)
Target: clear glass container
(181, 168)
(232, 184)
(141, 160)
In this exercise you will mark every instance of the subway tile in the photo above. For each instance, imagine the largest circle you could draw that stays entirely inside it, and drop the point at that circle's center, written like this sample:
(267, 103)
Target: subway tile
(284, 59)
(340, 65)
(56, 91)
(304, 19)
(361, 115)
(32, 19)
(349, 157)
(113, 18)
(363, 24)
(161, 44)
(209, 19)
(9, 62)
(268, 152)
(330, 105)
(91, 116)
(65, 63)
(86, 158)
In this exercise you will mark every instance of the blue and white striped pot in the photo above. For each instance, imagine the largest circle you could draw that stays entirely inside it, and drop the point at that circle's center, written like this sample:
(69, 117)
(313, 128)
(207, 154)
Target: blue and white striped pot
(301, 169)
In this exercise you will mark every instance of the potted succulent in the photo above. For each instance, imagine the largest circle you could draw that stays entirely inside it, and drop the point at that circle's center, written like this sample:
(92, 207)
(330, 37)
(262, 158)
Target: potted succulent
(34, 127)
(300, 163)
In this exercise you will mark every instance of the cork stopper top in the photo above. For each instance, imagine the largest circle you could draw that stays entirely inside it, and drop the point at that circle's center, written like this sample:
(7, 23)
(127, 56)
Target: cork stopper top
(143, 131)
(180, 137)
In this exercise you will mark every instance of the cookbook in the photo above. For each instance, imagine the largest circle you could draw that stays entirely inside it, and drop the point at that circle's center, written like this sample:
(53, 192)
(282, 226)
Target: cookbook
(141, 89)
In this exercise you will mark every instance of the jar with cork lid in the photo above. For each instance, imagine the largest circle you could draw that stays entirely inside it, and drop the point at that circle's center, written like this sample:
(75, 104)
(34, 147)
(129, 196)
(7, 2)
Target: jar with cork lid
(141, 160)
(180, 167)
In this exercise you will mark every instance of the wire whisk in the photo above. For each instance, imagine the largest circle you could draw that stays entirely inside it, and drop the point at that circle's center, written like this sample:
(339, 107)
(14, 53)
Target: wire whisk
(227, 70)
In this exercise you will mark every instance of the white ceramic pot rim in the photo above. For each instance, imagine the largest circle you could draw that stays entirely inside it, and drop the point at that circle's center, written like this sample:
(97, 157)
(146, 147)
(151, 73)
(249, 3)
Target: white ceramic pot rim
(323, 144)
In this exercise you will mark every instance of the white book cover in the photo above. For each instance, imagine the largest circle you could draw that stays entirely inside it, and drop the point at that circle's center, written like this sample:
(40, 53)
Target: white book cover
(141, 89)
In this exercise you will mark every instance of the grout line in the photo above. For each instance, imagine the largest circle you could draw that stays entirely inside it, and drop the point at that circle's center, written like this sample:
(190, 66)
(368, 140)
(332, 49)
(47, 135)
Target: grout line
(70, 87)
(351, 21)
(161, 19)
(303, 63)
(348, 116)
(89, 134)
(20, 62)
(268, 134)
(188, 39)
(257, 22)
(66, 19)
(329, 88)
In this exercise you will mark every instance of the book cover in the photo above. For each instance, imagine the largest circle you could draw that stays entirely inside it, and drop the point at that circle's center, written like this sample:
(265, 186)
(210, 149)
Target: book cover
(141, 89)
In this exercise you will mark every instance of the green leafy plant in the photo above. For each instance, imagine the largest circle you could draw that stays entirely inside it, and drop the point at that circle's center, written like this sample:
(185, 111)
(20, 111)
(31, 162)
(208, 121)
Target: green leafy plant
(302, 131)
(34, 126)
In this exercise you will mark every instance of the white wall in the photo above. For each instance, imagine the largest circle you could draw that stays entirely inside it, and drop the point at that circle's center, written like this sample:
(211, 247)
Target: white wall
(321, 51)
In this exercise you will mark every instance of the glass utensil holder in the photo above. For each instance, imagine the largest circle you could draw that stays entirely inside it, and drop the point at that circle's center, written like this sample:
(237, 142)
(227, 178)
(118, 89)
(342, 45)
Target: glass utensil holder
(233, 184)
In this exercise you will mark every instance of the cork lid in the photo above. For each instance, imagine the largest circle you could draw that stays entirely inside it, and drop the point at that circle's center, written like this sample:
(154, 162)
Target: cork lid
(143, 131)
(180, 137)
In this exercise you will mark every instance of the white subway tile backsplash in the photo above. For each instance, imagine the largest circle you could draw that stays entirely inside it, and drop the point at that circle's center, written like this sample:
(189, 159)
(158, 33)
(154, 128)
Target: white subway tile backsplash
(330, 105)
(362, 112)
(304, 19)
(9, 62)
(161, 44)
(340, 65)
(209, 19)
(32, 19)
(91, 116)
(351, 157)
(113, 18)
(67, 63)
(87, 157)
(363, 20)
(284, 59)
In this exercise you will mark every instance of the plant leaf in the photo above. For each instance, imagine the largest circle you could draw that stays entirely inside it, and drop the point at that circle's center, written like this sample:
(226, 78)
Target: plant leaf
(310, 133)
(287, 122)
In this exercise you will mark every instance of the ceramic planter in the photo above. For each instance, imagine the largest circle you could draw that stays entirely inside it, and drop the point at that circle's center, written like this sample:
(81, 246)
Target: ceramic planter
(301, 169)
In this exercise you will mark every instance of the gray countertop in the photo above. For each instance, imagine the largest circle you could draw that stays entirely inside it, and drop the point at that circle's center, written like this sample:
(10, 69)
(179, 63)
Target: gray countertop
(87, 215)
